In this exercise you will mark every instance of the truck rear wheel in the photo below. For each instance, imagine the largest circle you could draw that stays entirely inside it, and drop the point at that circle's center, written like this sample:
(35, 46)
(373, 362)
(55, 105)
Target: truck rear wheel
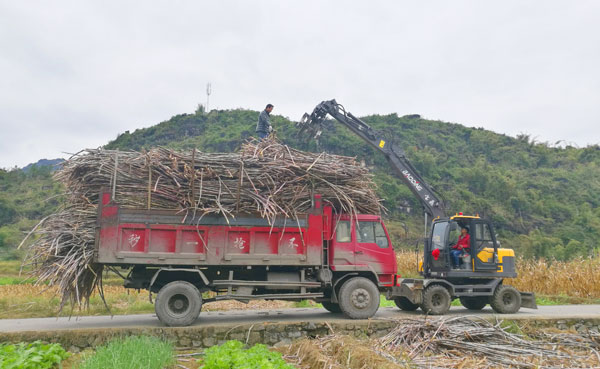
(506, 300)
(436, 300)
(474, 302)
(405, 304)
(359, 298)
(178, 304)
(332, 307)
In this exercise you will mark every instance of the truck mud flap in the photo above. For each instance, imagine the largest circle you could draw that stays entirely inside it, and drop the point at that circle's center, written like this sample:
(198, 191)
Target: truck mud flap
(528, 300)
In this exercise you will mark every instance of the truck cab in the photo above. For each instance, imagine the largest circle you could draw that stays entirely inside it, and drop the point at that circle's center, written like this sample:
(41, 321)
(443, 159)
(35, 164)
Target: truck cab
(362, 244)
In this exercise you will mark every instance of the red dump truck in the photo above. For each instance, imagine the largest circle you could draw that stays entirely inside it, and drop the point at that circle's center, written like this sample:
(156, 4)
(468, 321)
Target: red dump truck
(340, 262)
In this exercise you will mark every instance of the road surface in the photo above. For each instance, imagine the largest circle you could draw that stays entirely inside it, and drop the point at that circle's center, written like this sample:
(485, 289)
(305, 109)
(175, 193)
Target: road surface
(276, 315)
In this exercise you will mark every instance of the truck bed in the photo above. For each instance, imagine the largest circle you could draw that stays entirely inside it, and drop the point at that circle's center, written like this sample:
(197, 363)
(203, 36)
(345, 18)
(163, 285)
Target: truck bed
(162, 237)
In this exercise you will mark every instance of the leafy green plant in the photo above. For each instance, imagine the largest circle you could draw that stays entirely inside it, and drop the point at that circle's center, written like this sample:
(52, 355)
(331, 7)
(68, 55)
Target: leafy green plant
(232, 355)
(36, 355)
(136, 352)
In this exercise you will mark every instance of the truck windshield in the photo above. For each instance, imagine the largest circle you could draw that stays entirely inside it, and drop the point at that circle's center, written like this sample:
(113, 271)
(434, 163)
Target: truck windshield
(371, 232)
(438, 235)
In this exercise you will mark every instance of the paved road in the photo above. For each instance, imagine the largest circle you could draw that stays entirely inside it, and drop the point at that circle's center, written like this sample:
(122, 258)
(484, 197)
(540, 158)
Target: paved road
(275, 315)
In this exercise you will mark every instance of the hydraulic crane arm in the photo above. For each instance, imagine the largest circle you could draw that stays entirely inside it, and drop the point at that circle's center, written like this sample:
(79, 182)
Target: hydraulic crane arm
(395, 156)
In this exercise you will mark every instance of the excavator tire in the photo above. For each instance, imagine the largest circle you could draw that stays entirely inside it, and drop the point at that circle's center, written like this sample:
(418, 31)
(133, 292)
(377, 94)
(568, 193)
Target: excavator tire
(506, 300)
(405, 304)
(474, 302)
(436, 300)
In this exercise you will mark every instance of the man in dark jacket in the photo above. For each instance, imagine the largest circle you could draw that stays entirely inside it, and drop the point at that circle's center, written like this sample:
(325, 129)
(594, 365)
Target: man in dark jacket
(263, 127)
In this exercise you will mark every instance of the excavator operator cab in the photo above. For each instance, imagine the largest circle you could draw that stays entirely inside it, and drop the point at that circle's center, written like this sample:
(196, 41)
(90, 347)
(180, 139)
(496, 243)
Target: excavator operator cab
(483, 258)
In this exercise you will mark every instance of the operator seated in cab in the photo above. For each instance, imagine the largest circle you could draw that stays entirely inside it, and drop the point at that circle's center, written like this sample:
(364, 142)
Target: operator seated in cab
(463, 244)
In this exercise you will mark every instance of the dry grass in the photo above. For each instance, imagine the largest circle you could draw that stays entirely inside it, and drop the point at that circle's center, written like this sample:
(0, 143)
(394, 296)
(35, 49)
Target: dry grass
(30, 301)
(578, 278)
(338, 352)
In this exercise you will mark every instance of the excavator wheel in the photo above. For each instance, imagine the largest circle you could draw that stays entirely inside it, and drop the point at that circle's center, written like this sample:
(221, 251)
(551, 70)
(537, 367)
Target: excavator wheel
(474, 302)
(405, 304)
(506, 300)
(436, 300)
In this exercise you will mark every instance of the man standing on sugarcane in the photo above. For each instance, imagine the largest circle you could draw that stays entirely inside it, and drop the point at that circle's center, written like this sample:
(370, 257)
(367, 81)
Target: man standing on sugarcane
(263, 127)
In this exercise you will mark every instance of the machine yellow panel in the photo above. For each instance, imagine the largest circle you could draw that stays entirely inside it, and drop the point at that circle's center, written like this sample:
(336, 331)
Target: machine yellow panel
(420, 266)
(505, 252)
(486, 255)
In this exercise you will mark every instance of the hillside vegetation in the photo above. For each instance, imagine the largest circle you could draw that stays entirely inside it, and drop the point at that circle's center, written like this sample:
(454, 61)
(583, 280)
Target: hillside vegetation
(544, 200)
(25, 198)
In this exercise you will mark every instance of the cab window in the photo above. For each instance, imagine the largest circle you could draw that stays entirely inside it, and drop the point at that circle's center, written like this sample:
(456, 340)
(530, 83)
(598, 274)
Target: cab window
(342, 231)
(483, 235)
(453, 234)
(372, 232)
(438, 235)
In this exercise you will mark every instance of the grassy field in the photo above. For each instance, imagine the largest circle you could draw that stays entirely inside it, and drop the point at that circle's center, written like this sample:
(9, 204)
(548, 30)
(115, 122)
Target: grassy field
(575, 281)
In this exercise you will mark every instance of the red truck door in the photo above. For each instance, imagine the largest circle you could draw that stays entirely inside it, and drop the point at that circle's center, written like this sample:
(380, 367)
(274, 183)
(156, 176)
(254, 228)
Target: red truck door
(373, 247)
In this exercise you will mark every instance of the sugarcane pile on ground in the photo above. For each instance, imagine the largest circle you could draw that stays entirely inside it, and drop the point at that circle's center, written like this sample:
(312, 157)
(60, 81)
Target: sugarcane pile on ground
(444, 342)
(264, 177)
(449, 342)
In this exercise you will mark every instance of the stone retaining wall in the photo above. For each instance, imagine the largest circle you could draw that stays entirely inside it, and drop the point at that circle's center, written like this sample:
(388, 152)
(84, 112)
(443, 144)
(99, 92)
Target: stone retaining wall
(200, 337)
(580, 325)
(270, 333)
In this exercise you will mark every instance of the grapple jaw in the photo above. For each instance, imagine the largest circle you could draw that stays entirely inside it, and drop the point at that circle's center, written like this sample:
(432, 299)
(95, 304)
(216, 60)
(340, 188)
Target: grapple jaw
(311, 124)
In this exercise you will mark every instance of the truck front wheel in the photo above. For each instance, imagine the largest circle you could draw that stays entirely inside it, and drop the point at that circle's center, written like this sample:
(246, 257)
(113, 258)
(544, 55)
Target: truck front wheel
(178, 304)
(436, 300)
(359, 298)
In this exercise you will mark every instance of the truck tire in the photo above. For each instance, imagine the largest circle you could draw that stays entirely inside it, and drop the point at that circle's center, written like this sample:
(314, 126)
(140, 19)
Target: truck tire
(436, 300)
(178, 304)
(506, 300)
(474, 302)
(359, 298)
(332, 307)
(405, 304)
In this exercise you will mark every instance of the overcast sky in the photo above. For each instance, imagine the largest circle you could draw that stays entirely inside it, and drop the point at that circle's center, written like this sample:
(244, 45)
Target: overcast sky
(74, 74)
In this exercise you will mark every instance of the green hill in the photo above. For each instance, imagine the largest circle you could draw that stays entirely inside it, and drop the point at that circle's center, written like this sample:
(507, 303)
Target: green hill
(25, 198)
(544, 200)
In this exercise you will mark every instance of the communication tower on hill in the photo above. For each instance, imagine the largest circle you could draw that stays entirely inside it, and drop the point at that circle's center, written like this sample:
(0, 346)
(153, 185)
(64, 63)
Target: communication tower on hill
(208, 92)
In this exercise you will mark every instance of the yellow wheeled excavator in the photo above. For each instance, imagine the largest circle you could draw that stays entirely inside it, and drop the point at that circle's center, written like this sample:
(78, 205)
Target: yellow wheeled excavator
(483, 266)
